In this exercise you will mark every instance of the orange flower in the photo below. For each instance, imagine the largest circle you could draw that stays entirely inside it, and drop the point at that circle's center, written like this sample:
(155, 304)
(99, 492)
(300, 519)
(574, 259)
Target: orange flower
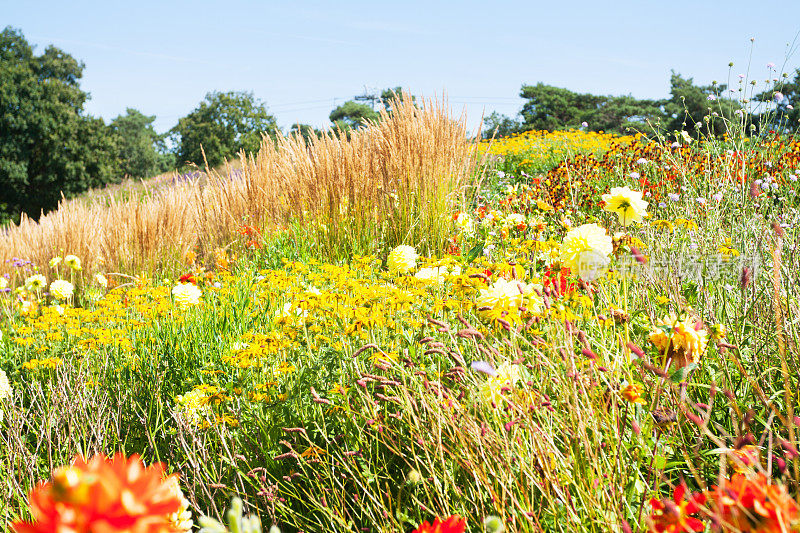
(675, 516)
(750, 504)
(103, 496)
(633, 393)
(453, 524)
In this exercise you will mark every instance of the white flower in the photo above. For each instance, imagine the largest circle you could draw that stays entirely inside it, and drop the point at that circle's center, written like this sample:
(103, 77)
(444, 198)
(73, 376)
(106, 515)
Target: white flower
(5, 387)
(55, 261)
(464, 223)
(432, 274)
(101, 280)
(586, 250)
(717, 197)
(73, 262)
(402, 259)
(700, 200)
(186, 294)
(513, 220)
(627, 204)
(35, 282)
(61, 289)
(182, 518)
(3, 282)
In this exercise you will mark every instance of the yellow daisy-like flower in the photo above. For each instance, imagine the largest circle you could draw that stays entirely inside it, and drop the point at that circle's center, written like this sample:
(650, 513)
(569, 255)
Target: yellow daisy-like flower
(627, 204)
(402, 259)
(682, 341)
(586, 250)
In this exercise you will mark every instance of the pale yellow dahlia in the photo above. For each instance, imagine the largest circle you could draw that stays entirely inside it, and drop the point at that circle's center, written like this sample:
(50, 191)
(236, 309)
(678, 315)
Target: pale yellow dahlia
(627, 204)
(186, 295)
(402, 259)
(507, 376)
(586, 251)
(61, 289)
(73, 262)
(35, 282)
(505, 293)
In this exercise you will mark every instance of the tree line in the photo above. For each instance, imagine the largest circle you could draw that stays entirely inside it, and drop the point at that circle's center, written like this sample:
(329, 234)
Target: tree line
(49, 145)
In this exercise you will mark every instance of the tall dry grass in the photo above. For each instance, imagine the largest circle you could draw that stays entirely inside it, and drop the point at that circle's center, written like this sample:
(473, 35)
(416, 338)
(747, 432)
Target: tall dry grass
(388, 183)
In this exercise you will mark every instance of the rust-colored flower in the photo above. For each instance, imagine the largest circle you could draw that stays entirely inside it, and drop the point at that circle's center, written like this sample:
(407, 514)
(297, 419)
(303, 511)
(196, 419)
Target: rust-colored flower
(103, 496)
(633, 393)
(453, 524)
(675, 515)
(750, 504)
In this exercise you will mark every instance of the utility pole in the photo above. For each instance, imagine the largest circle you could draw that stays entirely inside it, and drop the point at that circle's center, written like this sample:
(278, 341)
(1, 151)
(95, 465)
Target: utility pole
(369, 97)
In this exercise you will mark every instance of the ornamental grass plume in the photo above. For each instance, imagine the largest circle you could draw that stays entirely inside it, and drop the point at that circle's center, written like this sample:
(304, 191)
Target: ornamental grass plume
(627, 204)
(104, 495)
(586, 251)
(681, 341)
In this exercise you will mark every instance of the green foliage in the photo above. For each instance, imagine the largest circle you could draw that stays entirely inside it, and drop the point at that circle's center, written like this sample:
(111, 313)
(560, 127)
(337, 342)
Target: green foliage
(352, 115)
(141, 150)
(498, 125)
(48, 147)
(690, 109)
(551, 108)
(785, 96)
(222, 125)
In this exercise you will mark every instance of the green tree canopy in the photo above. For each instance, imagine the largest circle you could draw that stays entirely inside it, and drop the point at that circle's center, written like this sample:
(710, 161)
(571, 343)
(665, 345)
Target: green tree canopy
(221, 126)
(141, 151)
(698, 109)
(352, 115)
(48, 147)
(786, 98)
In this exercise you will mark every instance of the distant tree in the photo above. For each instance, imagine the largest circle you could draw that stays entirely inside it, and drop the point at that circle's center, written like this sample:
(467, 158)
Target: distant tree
(698, 109)
(398, 93)
(352, 115)
(139, 148)
(48, 147)
(304, 130)
(221, 126)
(498, 125)
(551, 108)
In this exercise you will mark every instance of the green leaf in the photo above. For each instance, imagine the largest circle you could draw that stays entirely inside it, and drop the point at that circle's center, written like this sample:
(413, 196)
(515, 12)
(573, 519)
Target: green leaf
(473, 254)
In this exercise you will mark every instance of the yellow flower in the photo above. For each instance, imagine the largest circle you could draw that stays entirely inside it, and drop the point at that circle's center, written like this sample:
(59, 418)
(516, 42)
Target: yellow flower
(514, 293)
(73, 262)
(54, 262)
(432, 274)
(682, 341)
(586, 250)
(633, 393)
(182, 518)
(186, 295)
(627, 204)
(3, 282)
(507, 376)
(61, 289)
(402, 259)
(35, 282)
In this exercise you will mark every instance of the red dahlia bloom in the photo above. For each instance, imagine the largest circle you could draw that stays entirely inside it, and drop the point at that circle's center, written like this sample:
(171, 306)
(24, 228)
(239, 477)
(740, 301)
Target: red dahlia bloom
(750, 504)
(453, 524)
(675, 516)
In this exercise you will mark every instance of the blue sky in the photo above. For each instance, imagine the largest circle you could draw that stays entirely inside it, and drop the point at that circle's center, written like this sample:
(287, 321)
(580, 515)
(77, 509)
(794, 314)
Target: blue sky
(302, 58)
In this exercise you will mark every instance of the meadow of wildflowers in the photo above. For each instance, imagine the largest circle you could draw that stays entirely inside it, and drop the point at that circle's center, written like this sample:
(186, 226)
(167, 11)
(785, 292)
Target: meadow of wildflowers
(586, 333)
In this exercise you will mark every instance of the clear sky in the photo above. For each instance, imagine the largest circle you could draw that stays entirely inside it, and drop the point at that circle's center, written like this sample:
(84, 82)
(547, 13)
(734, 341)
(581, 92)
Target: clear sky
(302, 58)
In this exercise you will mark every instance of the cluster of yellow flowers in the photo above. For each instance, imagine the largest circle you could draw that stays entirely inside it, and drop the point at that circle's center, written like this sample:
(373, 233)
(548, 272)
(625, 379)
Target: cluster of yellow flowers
(543, 143)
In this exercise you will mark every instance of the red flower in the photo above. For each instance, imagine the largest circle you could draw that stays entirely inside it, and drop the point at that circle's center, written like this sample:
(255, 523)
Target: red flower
(453, 524)
(675, 516)
(750, 504)
(188, 278)
(103, 496)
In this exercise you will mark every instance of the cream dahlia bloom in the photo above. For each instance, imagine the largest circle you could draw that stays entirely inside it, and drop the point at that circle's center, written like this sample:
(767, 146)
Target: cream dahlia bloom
(101, 280)
(627, 204)
(507, 376)
(3, 282)
(682, 341)
(61, 289)
(586, 251)
(432, 274)
(5, 387)
(505, 293)
(464, 223)
(35, 282)
(181, 519)
(402, 259)
(186, 295)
